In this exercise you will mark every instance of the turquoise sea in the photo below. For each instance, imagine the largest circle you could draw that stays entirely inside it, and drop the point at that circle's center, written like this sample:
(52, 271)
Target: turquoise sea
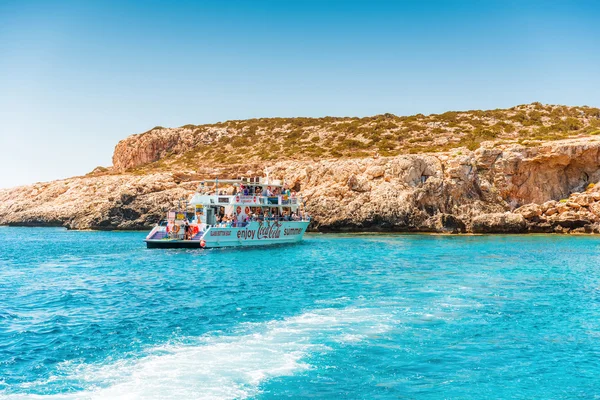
(97, 315)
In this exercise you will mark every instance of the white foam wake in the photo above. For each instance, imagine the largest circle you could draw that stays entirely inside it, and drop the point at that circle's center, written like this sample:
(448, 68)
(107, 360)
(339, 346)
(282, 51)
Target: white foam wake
(226, 367)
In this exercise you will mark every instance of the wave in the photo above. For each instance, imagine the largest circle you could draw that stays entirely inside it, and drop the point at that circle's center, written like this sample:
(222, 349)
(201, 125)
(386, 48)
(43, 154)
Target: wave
(220, 367)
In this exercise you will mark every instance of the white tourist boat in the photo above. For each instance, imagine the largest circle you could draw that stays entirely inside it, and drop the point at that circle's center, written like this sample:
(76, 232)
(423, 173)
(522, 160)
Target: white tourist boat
(254, 212)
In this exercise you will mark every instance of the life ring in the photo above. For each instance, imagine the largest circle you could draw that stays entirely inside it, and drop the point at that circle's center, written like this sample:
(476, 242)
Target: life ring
(247, 210)
(237, 199)
(202, 243)
(238, 210)
(176, 228)
(195, 229)
(255, 199)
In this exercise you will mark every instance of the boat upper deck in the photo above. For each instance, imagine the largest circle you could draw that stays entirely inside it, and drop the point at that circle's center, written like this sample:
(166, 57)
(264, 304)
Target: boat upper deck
(247, 200)
(245, 192)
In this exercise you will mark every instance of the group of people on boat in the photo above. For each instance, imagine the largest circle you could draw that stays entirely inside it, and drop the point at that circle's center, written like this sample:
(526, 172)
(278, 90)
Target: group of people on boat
(251, 200)
(173, 229)
(265, 191)
(223, 220)
(235, 220)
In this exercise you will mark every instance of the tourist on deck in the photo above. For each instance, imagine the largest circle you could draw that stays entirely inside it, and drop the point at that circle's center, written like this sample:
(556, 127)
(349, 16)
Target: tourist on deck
(186, 230)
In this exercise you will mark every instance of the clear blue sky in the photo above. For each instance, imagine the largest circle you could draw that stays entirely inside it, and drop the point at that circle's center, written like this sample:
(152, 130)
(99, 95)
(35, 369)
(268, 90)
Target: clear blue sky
(78, 76)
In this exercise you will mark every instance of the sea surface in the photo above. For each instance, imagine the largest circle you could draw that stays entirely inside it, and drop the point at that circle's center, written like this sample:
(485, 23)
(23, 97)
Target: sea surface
(97, 315)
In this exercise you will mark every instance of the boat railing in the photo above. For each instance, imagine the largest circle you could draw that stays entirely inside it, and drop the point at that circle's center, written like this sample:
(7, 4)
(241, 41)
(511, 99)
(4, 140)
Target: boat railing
(250, 199)
(241, 224)
(268, 200)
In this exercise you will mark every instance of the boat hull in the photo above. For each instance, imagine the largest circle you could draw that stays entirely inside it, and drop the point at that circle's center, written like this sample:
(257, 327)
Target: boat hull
(254, 234)
(172, 244)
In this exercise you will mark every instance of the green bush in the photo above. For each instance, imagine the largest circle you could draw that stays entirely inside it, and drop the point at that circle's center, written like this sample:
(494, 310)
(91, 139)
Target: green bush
(420, 139)
(386, 145)
(351, 144)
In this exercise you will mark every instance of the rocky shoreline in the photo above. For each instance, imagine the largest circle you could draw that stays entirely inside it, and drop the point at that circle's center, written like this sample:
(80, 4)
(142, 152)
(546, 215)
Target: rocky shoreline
(498, 188)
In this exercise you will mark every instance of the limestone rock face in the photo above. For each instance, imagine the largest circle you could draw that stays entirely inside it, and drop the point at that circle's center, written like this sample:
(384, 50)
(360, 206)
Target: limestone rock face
(530, 210)
(144, 148)
(497, 188)
(106, 202)
(579, 213)
(499, 223)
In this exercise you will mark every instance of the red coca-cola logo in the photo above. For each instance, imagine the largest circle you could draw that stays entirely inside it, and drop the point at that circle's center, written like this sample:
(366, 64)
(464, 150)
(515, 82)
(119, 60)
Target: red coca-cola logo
(264, 231)
(272, 231)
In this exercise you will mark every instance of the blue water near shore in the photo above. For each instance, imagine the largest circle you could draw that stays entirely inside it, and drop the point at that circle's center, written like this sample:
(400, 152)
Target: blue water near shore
(97, 315)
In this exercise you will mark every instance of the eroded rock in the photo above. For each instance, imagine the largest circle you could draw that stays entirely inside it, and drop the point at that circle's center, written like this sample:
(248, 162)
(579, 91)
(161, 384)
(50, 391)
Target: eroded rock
(499, 223)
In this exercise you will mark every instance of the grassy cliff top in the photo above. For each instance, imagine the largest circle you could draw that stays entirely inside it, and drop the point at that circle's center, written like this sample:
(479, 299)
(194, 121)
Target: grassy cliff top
(268, 139)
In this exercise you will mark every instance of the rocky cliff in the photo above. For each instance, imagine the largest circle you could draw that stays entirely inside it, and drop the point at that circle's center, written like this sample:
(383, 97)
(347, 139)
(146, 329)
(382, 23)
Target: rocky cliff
(498, 187)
